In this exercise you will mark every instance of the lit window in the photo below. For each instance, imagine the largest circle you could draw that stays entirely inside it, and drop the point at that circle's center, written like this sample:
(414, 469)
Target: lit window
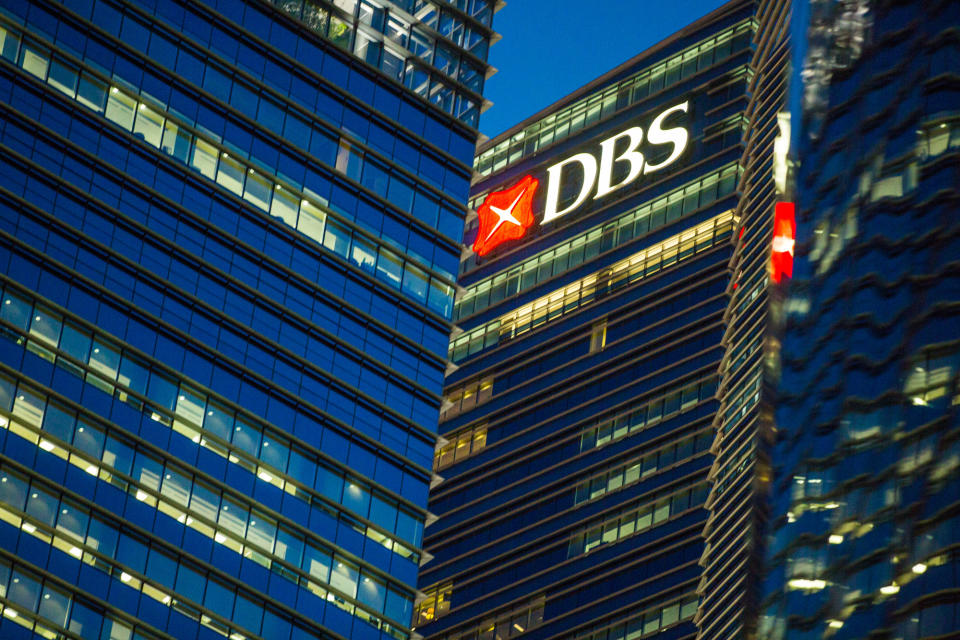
(598, 336)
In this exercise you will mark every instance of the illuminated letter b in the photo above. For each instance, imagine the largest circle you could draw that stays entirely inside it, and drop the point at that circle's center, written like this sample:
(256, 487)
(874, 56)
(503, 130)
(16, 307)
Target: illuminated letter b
(631, 155)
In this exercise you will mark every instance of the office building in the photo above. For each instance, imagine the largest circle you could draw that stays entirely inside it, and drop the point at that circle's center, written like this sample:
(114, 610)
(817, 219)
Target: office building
(763, 250)
(865, 500)
(585, 387)
(230, 234)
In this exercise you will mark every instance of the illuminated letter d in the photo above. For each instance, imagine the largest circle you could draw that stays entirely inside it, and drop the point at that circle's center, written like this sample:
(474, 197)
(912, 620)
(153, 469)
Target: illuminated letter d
(554, 173)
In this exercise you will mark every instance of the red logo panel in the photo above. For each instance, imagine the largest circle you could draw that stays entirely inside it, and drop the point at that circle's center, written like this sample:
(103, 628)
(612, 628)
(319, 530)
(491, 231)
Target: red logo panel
(784, 235)
(505, 215)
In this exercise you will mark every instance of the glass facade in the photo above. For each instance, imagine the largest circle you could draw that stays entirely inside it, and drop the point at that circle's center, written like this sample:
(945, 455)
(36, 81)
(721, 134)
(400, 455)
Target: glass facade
(579, 417)
(230, 237)
(864, 500)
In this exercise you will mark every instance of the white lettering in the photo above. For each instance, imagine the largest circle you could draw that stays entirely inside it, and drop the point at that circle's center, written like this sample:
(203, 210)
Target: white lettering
(676, 136)
(602, 176)
(589, 164)
(631, 155)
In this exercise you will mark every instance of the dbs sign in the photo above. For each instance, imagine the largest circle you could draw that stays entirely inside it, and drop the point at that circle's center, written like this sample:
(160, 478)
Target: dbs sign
(506, 215)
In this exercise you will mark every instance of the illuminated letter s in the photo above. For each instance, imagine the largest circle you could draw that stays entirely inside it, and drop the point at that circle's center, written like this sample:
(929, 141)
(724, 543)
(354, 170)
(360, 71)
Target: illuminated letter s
(631, 155)
(554, 174)
(676, 136)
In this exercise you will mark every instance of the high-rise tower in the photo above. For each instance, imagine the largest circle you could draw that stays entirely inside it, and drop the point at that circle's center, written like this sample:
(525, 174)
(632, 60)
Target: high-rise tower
(583, 402)
(230, 232)
(735, 531)
(866, 510)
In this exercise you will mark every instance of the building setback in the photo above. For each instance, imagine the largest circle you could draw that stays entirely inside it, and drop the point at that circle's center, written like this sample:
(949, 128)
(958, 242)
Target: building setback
(865, 500)
(582, 399)
(230, 232)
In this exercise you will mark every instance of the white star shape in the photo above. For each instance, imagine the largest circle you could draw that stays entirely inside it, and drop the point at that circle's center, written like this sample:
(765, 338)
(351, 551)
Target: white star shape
(505, 215)
(783, 244)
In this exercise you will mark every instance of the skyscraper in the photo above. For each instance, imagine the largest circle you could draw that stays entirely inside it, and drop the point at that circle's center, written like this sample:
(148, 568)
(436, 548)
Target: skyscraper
(582, 404)
(230, 232)
(736, 529)
(865, 491)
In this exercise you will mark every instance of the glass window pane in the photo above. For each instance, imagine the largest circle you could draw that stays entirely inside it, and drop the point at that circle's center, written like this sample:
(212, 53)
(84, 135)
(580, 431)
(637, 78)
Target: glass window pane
(16, 311)
(8, 44)
(63, 78)
(54, 606)
(118, 455)
(24, 590)
(133, 374)
(176, 486)
(13, 491)
(415, 283)
(46, 326)
(176, 141)
(219, 421)
(28, 406)
(233, 517)
(289, 547)
(105, 360)
(311, 223)
(89, 439)
(92, 93)
(262, 531)
(34, 60)
(258, 190)
(59, 422)
(390, 267)
(73, 521)
(191, 405)
(316, 562)
(42, 506)
(120, 108)
(149, 125)
(147, 472)
(205, 501)
(372, 593)
(344, 577)
(204, 158)
(285, 206)
(246, 437)
(337, 239)
(75, 343)
(230, 174)
(102, 537)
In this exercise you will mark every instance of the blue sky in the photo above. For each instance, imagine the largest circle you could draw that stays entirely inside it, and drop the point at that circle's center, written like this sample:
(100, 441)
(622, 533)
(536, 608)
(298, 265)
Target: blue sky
(553, 47)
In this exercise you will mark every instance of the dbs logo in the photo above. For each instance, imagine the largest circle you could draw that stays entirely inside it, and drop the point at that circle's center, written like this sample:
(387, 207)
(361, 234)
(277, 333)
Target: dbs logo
(505, 215)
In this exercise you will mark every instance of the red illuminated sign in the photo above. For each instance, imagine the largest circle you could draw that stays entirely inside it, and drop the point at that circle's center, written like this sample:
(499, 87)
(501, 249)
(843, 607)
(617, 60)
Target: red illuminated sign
(505, 215)
(784, 237)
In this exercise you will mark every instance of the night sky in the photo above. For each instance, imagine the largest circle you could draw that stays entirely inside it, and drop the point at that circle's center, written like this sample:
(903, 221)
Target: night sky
(553, 47)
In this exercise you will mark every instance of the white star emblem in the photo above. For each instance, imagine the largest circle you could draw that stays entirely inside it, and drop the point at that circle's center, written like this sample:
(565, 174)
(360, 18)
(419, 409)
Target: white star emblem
(783, 244)
(505, 215)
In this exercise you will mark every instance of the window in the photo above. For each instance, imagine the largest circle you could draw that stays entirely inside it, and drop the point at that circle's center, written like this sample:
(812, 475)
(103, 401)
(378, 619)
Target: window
(434, 605)
(460, 447)
(598, 336)
(121, 108)
(467, 396)
(586, 290)
(149, 125)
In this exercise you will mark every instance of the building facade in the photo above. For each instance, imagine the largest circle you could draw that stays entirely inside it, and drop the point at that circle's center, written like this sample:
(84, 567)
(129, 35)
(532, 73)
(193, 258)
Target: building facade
(865, 499)
(581, 403)
(230, 234)
(739, 479)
